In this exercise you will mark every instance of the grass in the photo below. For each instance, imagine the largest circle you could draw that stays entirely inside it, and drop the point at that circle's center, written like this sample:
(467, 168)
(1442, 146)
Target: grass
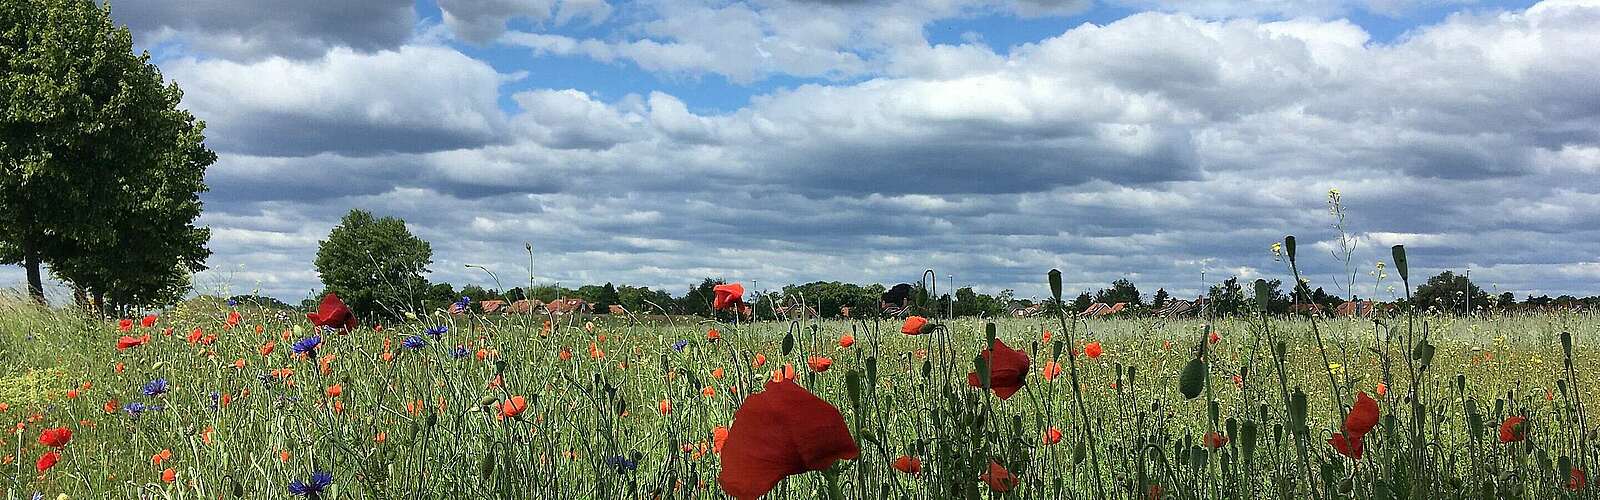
(420, 423)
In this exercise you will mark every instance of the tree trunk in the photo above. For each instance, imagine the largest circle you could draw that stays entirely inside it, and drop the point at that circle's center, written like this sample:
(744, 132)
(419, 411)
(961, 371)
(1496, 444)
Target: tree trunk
(30, 261)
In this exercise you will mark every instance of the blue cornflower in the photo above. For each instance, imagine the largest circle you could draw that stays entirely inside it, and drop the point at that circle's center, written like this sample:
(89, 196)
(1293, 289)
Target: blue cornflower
(459, 352)
(134, 408)
(414, 342)
(437, 331)
(232, 302)
(156, 387)
(623, 464)
(313, 488)
(463, 303)
(679, 345)
(308, 345)
(215, 399)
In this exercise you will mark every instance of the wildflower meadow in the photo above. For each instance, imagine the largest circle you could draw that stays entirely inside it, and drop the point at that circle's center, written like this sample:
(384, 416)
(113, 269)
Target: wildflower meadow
(216, 400)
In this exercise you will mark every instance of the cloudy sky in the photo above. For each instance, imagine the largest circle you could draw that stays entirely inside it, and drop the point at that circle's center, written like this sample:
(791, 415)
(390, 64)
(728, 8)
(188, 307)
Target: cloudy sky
(779, 141)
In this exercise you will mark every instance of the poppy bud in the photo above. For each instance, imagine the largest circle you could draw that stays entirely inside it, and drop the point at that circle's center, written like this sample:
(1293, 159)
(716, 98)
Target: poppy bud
(1263, 294)
(1193, 379)
(1247, 438)
(872, 372)
(1566, 345)
(1399, 254)
(238, 489)
(1215, 411)
(1297, 411)
(788, 343)
(486, 464)
(1288, 247)
(1055, 284)
(927, 368)
(852, 380)
(487, 401)
(981, 365)
(989, 335)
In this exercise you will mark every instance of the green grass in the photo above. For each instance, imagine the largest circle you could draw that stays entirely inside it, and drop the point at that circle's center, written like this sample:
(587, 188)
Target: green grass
(1145, 433)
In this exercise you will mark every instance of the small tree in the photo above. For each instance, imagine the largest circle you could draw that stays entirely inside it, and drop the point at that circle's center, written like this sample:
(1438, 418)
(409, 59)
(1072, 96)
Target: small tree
(374, 264)
(1121, 290)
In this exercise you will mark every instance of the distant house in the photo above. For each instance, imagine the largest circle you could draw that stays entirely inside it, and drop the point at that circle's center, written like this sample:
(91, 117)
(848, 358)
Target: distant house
(1094, 310)
(525, 306)
(1115, 308)
(1360, 308)
(1179, 308)
(1306, 309)
(617, 309)
(1028, 312)
(844, 311)
(457, 308)
(489, 306)
(566, 306)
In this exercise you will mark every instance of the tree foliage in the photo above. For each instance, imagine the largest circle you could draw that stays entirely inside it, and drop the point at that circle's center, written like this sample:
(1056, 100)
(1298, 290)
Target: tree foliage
(101, 169)
(375, 264)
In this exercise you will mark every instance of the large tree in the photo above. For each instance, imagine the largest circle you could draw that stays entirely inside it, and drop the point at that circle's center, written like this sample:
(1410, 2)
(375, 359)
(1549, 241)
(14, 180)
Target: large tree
(375, 264)
(1448, 292)
(99, 169)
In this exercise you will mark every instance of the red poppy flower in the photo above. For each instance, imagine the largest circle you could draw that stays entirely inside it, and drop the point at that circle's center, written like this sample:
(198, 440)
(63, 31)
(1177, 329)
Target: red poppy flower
(1215, 440)
(727, 296)
(1349, 446)
(148, 321)
(333, 314)
(124, 325)
(847, 340)
(169, 475)
(781, 431)
(1093, 350)
(713, 335)
(998, 478)
(1363, 416)
(55, 438)
(908, 464)
(1008, 370)
(914, 325)
(819, 364)
(128, 341)
(1052, 436)
(1383, 389)
(47, 461)
(1578, 480)
(760, 359)
(1214, 338)
(1513, 429)
(1051, 370)
(513, 407)
(719, 439)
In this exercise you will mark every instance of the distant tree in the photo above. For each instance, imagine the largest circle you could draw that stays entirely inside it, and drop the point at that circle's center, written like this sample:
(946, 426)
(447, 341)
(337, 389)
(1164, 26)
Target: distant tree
(259, 301)
(971, 303)
(100, 171)
(1160, 298)
(1449, 293)
(1121, 290)
(374, 264)
(1507, 300)
(697, 300)
(1227, 298)
(515, 294)
(478, 293)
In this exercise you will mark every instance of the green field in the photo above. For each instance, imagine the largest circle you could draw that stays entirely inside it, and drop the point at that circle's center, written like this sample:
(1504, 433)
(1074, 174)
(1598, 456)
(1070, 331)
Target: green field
(420, 422)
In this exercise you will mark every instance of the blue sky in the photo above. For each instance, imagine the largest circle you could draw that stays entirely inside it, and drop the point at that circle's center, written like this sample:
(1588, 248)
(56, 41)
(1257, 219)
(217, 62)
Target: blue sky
(660, 141)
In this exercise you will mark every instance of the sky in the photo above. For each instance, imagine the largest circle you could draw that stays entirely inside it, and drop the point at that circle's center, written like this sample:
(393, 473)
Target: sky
(656, 142)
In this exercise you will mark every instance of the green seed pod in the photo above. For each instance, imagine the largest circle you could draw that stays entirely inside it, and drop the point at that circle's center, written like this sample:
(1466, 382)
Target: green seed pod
(1232, 426)
(1474, 419)
(872, 372)
(1277, 434)
(1263, 294)
(1247, 438)
(486, 464)
(1461, 382)
(788, 343)
(852, 380)
(1297, 411)
(1055, 284)
(1399, 254)
(1193, 379)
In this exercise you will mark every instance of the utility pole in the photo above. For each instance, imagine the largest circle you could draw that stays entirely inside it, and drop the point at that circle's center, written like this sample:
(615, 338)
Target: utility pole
(1469, 291)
